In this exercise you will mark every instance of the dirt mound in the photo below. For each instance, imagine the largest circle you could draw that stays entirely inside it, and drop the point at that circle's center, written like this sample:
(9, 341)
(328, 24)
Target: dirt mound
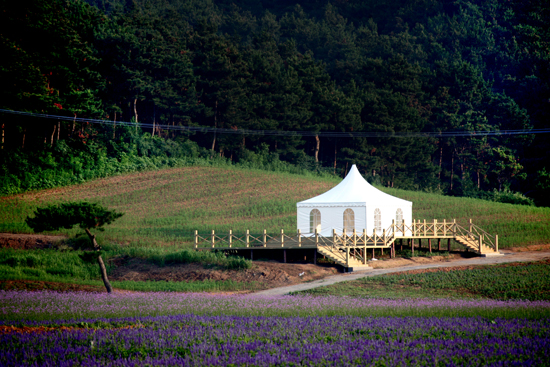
(531, 248)
(266, 274)
(21, 241)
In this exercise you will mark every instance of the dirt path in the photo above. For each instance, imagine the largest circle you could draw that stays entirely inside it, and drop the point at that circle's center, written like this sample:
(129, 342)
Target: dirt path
(508, 257)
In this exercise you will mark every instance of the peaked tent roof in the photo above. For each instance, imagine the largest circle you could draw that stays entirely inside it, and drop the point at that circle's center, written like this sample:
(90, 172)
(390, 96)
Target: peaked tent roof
(355, 189)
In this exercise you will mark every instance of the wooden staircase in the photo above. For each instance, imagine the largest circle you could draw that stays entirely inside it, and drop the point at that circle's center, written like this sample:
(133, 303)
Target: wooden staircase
(474, 245)
(338, 255)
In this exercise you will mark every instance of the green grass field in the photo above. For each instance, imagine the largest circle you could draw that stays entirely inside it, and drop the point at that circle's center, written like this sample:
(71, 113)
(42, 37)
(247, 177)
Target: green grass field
(163, 208)
(527, 281)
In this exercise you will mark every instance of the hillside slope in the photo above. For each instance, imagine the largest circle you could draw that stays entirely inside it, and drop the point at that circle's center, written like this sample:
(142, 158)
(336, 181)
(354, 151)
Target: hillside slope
(164, 207)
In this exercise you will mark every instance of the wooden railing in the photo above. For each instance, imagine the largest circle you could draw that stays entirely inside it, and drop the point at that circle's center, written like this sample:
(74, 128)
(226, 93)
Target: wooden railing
(416, 229)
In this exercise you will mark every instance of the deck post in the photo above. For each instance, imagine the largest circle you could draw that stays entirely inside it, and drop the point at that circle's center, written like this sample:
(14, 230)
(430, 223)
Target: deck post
(496, 243)
(385, 241)
(282, 238)
(251, 255)
(196, 238)
(230, 237)
(344, 241)
(471, 227)
(454, 227)
(247, 237)
(347, 256)
(435, 227)
(213, 238)
(425, 228)
(316, 236)
(393, 227)
(419, 243)
(444, 227)
(448, 244)
(300, 237)
(364, 246)
(284, 255)
(314, 256)
(480, 243)
(333, 237)
(265, 237)
(430, 245)
(439, 244)
(354, 238)
(412, 245)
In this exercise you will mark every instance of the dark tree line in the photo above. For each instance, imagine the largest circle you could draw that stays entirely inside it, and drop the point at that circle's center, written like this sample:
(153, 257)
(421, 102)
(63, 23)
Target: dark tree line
(317, 66)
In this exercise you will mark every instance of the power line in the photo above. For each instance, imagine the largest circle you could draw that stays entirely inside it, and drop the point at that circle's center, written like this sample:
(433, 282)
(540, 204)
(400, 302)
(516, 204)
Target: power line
(328, 134)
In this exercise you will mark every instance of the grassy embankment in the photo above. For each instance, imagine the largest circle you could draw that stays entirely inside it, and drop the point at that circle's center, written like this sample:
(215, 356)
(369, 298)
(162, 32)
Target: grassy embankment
(526, 281)
(163, 208)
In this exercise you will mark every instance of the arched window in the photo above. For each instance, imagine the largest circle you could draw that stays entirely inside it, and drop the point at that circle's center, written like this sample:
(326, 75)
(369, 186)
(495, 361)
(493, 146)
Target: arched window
(378, 220)
(349, 220)
(314, 221)
(399, 216)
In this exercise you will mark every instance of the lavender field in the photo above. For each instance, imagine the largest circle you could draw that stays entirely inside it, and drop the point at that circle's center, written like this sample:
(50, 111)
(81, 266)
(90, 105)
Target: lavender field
(191, 340)
(169, 329)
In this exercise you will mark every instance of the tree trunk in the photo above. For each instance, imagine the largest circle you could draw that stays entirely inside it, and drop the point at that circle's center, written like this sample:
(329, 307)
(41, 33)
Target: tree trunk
(135, 112)
(114, 126)
(154, 118)
(452, 168)
(74, 123)
(215, 125)
(440, 162)
(317, 144)
(102, 268)
(58, 129)
(53, 134)
(334, 171)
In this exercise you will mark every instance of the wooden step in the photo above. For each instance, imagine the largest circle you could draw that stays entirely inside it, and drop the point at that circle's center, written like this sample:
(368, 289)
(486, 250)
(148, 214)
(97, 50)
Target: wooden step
(474, 245)
(340, 258)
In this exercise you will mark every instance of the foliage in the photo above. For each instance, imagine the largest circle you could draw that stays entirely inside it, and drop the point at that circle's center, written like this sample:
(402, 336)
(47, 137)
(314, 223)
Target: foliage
(319, 67)
(67, 215)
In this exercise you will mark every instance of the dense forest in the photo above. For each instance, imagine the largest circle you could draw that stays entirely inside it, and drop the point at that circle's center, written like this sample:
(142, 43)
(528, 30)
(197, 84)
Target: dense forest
(403, 89)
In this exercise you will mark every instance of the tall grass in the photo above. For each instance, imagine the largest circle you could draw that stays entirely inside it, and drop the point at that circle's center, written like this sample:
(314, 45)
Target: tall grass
(164, 207)
(521, 281)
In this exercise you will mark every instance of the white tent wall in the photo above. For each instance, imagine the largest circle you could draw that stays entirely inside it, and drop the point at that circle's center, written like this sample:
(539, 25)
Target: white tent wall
(388, 214)
(332, 217)
(355, 193)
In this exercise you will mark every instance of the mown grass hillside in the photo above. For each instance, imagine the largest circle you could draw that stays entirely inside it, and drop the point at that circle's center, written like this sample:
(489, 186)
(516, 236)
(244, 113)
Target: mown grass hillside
(164, 207)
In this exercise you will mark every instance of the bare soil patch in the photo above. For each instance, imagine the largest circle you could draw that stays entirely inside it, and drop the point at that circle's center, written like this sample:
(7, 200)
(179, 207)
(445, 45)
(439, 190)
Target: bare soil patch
(266, 274)
(530, 248)
(403, 262)
(21, 241)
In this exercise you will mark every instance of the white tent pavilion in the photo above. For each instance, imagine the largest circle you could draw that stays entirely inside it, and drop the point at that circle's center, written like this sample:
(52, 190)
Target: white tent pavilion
(352, 204)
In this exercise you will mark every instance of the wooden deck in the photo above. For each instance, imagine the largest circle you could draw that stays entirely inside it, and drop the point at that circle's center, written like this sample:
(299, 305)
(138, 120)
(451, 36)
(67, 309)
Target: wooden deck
(350, 249)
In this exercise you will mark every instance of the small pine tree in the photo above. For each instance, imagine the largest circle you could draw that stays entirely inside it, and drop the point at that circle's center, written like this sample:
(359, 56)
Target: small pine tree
(86, 215)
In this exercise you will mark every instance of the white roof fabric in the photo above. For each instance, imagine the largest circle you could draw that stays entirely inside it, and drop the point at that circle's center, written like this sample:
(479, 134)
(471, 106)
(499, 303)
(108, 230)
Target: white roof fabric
(355, 189)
